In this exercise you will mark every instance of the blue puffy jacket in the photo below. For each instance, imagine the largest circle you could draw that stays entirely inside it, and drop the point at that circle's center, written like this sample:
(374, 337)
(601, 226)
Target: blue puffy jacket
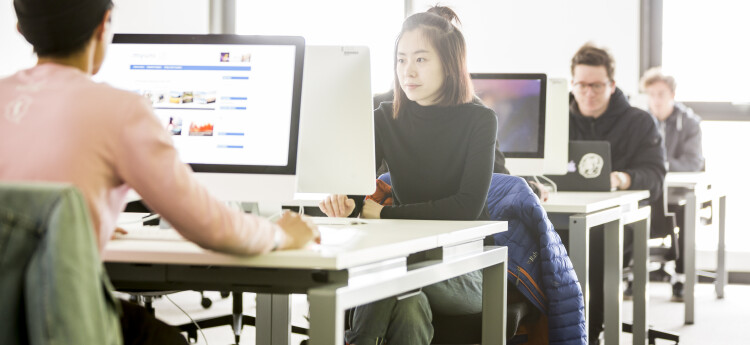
(538, 263)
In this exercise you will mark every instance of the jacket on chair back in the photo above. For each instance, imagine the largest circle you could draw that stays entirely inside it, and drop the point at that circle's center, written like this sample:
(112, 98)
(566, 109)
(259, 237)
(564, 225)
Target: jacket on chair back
(53, 287)
(538, 263)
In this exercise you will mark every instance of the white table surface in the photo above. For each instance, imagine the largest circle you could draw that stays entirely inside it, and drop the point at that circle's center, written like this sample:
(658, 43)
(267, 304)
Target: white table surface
(588, 202)
(372, 241)
(686, 179)
(375, 242)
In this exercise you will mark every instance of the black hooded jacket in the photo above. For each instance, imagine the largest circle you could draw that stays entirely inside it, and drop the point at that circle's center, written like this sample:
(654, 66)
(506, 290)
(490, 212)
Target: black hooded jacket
(636, 143)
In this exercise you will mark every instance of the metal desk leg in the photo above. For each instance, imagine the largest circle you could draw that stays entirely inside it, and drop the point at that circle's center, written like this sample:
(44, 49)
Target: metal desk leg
(691, 277)
(326, 317)
(721, 269)
(579, 255)
(273, 322)
(613, 244)
(493, 304)
(640, 281)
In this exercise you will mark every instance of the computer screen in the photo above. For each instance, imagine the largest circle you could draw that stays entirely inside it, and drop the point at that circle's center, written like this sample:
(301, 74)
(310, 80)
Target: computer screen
(230, 102)
(519, 101)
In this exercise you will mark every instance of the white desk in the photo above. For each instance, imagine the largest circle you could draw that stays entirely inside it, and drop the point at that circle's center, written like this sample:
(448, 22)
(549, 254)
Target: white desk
(369, 265)
(579, 212)
(698, 190)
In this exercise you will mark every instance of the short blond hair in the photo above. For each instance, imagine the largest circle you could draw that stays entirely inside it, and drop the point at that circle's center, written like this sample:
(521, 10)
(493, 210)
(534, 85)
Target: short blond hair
(655, 75)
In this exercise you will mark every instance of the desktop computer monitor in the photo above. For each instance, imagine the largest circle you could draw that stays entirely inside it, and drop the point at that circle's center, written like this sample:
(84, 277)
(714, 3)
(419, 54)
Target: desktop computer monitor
(557, 121)
(519, 101)
(337, 140)
(231, 102)
(532, 113)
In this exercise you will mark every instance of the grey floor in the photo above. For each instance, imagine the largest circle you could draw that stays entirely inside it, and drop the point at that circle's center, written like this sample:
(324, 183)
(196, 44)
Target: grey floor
(722, 322)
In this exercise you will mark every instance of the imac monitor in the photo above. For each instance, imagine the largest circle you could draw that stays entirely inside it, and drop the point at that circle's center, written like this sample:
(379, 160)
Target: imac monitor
(519, 101)
(337, 140)
(231, 103)
(557, 121)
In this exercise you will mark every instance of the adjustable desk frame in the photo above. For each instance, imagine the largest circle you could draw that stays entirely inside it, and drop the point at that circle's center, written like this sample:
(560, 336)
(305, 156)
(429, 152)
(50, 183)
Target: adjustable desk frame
(699, 191)
(579, 212)
(330, 291)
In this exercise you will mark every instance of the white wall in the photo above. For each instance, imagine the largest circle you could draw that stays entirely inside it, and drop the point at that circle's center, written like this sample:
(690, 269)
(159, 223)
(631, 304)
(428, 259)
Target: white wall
(161, 16)
(129, 16)
(543, 35)
(17, 53)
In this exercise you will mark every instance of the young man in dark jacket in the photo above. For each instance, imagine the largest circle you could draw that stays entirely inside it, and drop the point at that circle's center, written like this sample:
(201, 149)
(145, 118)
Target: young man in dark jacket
(681, 130)
(600, 111)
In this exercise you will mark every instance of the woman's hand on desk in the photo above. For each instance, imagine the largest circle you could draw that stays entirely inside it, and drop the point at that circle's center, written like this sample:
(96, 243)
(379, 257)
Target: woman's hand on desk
(298, 231)
(337, 205)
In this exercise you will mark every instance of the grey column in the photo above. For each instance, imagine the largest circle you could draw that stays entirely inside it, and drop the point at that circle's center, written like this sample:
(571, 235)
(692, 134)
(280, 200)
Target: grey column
(721, 269)
(691, 277)
(493, 304)
(640, 281)
(273, 319)
(613, 243)
(579, 255)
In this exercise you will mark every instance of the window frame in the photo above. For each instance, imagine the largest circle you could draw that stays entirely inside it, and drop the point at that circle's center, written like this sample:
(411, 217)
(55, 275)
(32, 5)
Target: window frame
(651, 38)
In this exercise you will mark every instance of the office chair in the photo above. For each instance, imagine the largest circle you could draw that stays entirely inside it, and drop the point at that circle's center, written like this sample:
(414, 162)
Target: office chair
(54, 289)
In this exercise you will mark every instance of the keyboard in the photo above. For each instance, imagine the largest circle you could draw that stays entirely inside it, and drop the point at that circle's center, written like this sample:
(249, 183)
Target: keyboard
(150, 233)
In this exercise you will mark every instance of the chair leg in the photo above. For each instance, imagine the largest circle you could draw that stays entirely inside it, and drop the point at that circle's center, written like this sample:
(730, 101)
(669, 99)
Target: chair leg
(237, 315)
(237, 320)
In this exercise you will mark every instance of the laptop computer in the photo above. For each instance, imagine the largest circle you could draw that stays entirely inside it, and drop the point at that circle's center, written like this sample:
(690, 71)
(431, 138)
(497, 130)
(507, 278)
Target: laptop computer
(589, 167)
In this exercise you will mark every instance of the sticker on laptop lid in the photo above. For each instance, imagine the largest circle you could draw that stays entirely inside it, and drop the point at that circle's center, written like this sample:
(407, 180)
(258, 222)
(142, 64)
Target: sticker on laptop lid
(590, 165)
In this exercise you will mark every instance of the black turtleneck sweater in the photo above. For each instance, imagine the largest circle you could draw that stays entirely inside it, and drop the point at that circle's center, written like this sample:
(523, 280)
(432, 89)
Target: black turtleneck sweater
(440, 159)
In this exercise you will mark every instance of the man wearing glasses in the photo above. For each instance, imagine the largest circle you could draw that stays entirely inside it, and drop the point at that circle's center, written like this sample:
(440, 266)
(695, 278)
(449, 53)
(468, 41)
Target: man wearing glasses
(600, 111)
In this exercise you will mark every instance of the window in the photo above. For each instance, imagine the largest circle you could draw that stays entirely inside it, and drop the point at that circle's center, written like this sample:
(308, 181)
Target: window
(704, 47)
(375, 24)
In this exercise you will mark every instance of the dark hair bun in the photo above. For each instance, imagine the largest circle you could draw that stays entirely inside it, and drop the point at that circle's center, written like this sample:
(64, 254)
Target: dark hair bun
(445, 12)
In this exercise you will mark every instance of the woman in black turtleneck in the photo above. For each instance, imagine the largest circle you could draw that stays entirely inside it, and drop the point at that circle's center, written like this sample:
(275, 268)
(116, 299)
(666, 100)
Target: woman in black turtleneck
(439, 148)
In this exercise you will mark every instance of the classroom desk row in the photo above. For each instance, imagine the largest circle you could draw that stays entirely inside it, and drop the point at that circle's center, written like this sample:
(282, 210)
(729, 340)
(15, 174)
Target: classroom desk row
(381, 262)
(355, 265)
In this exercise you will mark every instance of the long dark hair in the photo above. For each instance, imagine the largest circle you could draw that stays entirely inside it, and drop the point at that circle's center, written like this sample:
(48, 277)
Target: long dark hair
(449, 43)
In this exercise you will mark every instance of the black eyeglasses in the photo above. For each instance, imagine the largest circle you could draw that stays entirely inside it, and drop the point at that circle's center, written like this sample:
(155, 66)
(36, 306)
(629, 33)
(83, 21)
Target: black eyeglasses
(596, 87)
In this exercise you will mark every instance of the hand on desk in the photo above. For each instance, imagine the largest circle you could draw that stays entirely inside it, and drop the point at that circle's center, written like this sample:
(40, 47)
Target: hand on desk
(118, 231)
(619, 180)
(543, 192)
(337, 205)
(298, 230)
